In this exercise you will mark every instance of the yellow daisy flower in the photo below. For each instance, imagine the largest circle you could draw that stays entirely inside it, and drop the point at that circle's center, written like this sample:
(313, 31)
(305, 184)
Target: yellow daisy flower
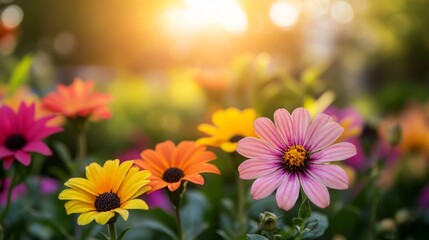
(105, 191)
(228, 127)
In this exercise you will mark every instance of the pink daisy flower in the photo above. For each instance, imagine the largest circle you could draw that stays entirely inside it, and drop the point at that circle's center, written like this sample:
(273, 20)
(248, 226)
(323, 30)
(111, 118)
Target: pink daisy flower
(21, 133)
(295, 152)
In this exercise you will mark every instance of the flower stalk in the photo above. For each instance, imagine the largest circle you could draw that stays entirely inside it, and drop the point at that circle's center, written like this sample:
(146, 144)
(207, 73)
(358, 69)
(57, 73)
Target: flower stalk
(112, 230)
(176, 199)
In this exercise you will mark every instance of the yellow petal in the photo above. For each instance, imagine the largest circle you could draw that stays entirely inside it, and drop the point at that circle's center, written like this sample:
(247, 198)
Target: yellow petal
(93, 174)
(119, 176)
(73, 194)
(78, 207)
(103, 217)
(141, 191)
(135, 204)
(208, 129)
(123, 212)
(228, 146)
(83, 184)
(126, 182)
(109, 170)
(86, 218)
(133, 184)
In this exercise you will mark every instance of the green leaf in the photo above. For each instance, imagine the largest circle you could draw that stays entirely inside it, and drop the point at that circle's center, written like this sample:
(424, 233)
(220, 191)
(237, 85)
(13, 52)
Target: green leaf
(122, 234)
(297, 221)
(315, 226)
(64, 155)
(304, 211)
(225, 235)
(157, 226)
(256, 237)
(105, 236)
(19, 74)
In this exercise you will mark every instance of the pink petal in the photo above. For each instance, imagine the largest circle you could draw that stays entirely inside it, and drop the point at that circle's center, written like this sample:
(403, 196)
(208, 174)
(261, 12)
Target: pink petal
(264, 186)
(315, 191)
(38, 147)
(257, 167)
(327, 135)
(336, 152)
(266, 130)
(330, 175)
(254, 148)
(39, 130)
(23, 157)
(301, 122)
(284, 124)
(5, 152)
(288, 192)
(7, 121)
(25, 117)
(315, 128)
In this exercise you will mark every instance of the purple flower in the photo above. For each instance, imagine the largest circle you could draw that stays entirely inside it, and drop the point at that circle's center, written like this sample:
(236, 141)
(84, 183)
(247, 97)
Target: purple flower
(295, 152)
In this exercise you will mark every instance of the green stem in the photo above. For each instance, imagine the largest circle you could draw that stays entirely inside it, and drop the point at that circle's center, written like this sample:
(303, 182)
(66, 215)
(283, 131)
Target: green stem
(81, 150)
(178, 222)
(112, 230)
(240, 196)
(13, 183)
(176, 199)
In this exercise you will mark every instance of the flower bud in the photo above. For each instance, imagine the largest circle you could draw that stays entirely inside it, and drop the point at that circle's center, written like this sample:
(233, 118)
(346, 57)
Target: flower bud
(268, 221)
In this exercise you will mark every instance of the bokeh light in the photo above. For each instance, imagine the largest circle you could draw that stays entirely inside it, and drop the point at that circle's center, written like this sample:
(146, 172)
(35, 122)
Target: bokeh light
(12, 16)
(342, 12)
(284, 13)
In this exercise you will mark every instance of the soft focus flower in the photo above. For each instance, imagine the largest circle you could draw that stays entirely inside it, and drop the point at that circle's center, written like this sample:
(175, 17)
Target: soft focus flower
(229, 127)
(414, 123)
(46, 186)
(349, 118)
(171, 165)
(105, 191)
(78, 100)
(21, 133)
(295, 151)
(352, 122)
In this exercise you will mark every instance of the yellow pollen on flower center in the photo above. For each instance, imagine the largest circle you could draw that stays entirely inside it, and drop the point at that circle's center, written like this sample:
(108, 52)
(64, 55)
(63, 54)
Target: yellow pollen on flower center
(295, 158)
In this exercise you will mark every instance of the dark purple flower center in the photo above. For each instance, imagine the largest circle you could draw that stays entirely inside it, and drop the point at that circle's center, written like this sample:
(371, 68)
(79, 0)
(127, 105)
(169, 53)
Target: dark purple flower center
(15, 142)
(236, 138)
(107, 201)
(295, 158)
(172, 175)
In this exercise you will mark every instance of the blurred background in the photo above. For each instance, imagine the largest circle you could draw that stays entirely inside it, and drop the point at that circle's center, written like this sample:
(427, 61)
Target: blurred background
(169, 64)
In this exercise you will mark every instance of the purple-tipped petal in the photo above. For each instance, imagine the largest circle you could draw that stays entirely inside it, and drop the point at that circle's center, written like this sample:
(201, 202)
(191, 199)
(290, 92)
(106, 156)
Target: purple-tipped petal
(288, 192)
(336, 152)
(266, 130)
(257, 167)
(327, 135)
(301, 121)
(264, 186)
(330, 175)
(23, 157)
(316, 126)
(284, 124)
(315, 191)
(38, 147)
(254, 148)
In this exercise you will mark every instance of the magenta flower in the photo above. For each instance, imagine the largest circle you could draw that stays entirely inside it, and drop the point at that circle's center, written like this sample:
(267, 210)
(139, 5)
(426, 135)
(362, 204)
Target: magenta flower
(295, 152)
(21, 133)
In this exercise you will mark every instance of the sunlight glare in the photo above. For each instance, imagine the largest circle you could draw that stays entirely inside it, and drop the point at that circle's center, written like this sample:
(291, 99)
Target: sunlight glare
(284, 13)
(198, 14)
(342, 12)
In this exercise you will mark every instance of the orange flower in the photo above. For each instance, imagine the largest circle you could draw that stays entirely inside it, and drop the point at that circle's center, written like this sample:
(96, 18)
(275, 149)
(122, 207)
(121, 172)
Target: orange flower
(171, 165)
(78, 100)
